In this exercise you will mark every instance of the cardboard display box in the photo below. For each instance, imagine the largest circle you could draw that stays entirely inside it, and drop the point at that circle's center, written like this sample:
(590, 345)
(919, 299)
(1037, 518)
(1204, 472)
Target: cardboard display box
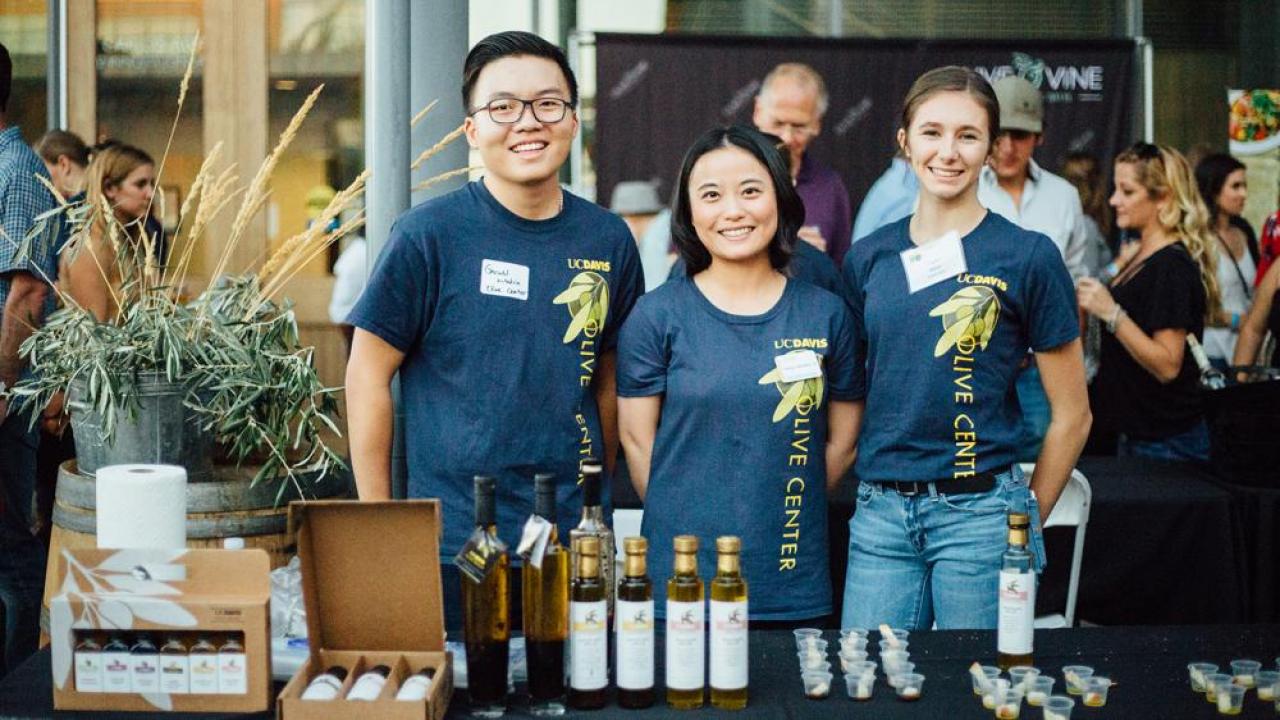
(187, 593)
(372, 589)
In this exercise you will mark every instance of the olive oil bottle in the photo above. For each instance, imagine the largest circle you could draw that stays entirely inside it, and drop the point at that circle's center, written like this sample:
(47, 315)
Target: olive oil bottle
(486, 567)
(633, 622)
(728, 627)
(588, 629)
(686, 641)
(1015, 628)
(545, 590)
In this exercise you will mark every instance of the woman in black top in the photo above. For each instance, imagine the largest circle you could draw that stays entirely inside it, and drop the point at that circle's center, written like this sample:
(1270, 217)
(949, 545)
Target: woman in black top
(1147, 386)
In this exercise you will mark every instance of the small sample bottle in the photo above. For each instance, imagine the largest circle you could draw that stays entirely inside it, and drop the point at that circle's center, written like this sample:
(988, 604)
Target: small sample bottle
(369, 685)
(327, 685)
(633, 623)
(202, 662)
(545, 591)
(686, 639)
(88, 663)
(588, 629)
(486, 607)
(116, 666)
(175, 667)
(144, 665)
(232, 673)
(417, 686)
(1015, 628)
(728, 627)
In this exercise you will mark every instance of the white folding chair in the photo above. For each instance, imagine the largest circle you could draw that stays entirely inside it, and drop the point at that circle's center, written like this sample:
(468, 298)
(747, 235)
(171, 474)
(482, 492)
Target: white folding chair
(1071, 510)
(625, 523)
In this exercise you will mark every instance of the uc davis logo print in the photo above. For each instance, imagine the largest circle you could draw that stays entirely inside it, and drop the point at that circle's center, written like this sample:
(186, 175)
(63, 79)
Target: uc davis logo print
(804, 395)
(588, 301)
(968, 319)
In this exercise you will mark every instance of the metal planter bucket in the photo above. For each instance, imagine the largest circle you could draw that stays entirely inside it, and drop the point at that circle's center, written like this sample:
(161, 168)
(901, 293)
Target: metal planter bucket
(164, 431)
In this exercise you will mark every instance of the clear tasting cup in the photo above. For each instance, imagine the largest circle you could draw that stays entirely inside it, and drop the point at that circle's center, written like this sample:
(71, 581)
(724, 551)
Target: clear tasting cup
(1199, 673)
(1058, 707)
(817, 685)
(1074, 677)
(1040, 690)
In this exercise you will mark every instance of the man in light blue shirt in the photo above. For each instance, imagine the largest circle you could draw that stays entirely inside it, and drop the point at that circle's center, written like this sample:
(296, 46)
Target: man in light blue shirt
(891, 198)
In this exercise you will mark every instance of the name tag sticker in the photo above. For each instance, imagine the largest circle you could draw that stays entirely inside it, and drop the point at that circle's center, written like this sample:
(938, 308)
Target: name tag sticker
(504, 279)
(797, 366)
(933, 262)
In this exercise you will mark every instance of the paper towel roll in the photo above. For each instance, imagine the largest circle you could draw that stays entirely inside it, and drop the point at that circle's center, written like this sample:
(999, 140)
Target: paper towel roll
(142, 506)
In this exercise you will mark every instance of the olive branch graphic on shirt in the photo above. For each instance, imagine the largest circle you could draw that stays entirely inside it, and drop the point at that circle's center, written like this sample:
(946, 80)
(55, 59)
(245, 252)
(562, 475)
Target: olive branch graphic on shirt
(587, 299)
(805, 394)
(970, 314)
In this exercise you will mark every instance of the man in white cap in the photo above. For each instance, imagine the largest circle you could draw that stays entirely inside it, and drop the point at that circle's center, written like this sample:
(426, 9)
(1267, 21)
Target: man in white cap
(1014, 186)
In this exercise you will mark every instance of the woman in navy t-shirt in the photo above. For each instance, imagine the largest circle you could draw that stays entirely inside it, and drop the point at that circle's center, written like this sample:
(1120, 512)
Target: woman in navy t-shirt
(945, 305)
(735, 384)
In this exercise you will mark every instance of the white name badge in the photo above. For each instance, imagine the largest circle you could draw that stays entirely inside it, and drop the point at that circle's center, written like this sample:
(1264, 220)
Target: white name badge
(797, 366)
(504, 279)
(934, 261)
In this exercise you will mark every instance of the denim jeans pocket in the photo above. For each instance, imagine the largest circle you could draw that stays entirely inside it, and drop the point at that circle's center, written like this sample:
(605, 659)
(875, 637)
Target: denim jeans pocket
(866, 491)
(990, 502)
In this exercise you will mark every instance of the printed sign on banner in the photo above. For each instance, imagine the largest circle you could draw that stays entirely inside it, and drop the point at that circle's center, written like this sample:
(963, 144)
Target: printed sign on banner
(1253, 126)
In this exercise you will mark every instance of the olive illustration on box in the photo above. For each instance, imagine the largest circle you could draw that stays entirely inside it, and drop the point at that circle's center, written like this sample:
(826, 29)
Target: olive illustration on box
(968, 319)
(588, 302)
(803, 394)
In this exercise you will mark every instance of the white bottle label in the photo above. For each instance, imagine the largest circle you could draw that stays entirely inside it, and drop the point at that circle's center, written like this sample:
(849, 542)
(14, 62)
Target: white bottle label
(367, 687)
(116, 676)
(204, 673)
(415, 688)
(174, 673)
(1017, 612)
(634, 623)
(89, 671)
(589, 645)
(323, 687)
(231, 674)
(686, 646)
(728, 645)
(144, 670)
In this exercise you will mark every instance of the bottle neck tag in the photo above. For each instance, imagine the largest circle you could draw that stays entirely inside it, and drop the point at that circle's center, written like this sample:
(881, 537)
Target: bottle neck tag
(476, 559)
(533, 540)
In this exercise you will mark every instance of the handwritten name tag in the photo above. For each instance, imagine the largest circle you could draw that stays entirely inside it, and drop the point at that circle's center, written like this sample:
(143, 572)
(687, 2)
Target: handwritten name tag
(504, 279)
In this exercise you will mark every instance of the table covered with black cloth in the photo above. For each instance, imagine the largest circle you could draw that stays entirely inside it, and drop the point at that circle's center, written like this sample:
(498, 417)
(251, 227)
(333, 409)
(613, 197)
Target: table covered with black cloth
(1148, 665)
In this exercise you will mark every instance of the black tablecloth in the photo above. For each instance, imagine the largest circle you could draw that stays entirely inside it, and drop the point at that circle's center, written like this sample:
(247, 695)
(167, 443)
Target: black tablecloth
(1148, 665)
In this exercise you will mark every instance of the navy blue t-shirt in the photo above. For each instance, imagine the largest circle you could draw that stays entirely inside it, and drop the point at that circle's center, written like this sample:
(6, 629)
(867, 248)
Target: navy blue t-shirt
(501, 320)
(808, 263)
(938, 366)
(738, 451)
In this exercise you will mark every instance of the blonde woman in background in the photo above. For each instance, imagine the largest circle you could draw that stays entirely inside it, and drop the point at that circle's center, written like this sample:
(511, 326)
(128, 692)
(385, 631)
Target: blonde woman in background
(121, 177)
(1147, 386)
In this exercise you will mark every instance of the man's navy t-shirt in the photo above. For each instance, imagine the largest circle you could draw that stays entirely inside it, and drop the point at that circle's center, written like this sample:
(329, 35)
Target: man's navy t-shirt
(502, 321)
(738, 451)
(938, 365)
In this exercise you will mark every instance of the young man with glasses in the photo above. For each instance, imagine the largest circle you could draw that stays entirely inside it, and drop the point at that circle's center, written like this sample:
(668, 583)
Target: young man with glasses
(1014, 186)
(499, 305)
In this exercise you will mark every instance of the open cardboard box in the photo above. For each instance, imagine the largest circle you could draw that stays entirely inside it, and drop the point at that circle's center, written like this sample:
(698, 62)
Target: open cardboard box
(160, 592)
(372, 589)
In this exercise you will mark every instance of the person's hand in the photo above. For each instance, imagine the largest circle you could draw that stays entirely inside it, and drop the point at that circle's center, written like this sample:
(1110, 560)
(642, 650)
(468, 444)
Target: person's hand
(1094, 298)
(812, 235)
(54, 419)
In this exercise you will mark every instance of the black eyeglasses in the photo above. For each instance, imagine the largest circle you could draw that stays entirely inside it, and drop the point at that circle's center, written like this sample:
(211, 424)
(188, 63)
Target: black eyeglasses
(1145, 150)
(507, 111)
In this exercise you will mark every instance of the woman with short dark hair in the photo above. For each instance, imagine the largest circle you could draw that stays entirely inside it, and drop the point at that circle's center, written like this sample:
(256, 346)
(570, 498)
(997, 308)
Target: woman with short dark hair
(734, 383)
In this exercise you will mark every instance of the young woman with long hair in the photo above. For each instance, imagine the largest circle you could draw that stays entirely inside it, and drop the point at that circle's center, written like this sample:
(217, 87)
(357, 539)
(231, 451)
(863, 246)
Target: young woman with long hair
(945, 304)
(1147, 387)
(1224, 189)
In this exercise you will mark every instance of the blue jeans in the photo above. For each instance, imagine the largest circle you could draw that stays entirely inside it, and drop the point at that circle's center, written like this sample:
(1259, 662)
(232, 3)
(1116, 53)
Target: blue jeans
(22, 555)
(1035, 412)
(1189, 446)
(935, 557)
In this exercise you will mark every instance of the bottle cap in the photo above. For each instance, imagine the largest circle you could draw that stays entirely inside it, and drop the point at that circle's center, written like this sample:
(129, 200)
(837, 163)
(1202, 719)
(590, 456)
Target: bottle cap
(587, 544)
(1019, 521)
(338, 672)
(686, 543)
(728, 544)
(484, 487)
(635, 545)
(382, 670)
(591, 470)
(544, 495)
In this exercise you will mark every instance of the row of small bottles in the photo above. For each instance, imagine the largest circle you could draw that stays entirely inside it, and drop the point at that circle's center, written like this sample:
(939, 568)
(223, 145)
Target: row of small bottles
(369, 686)
(581, 610)
(187, 663)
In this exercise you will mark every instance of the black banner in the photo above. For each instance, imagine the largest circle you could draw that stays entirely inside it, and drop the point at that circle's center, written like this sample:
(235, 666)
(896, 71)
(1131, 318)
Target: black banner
(655, 93)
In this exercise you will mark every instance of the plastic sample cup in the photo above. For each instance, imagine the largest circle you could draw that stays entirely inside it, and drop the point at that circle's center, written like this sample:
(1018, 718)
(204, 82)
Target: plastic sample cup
(1095, 691)
(1039, 691)
(1267, 680)
(989, 674)
(991, 699)
(892, 661)
(1074, 677)
(1245, 672)
(1230, 699)
(853, 642)
(804, 634)
(808, 666)
(886, 646)
(896, 632)
(853, 632)
(849, 659)
(895, 679)
(1008, 704)
(910, 686)
(1199, 673)
(1020, 676)
(817, 684)
(1213, 683)
(812, 656)
(1058, 707)
(860, 679)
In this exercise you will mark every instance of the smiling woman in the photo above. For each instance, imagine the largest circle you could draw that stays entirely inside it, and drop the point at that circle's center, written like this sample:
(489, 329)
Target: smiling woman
(734, 380)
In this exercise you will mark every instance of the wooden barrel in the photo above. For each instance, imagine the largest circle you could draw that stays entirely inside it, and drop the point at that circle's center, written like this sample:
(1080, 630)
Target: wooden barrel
(226, 506)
